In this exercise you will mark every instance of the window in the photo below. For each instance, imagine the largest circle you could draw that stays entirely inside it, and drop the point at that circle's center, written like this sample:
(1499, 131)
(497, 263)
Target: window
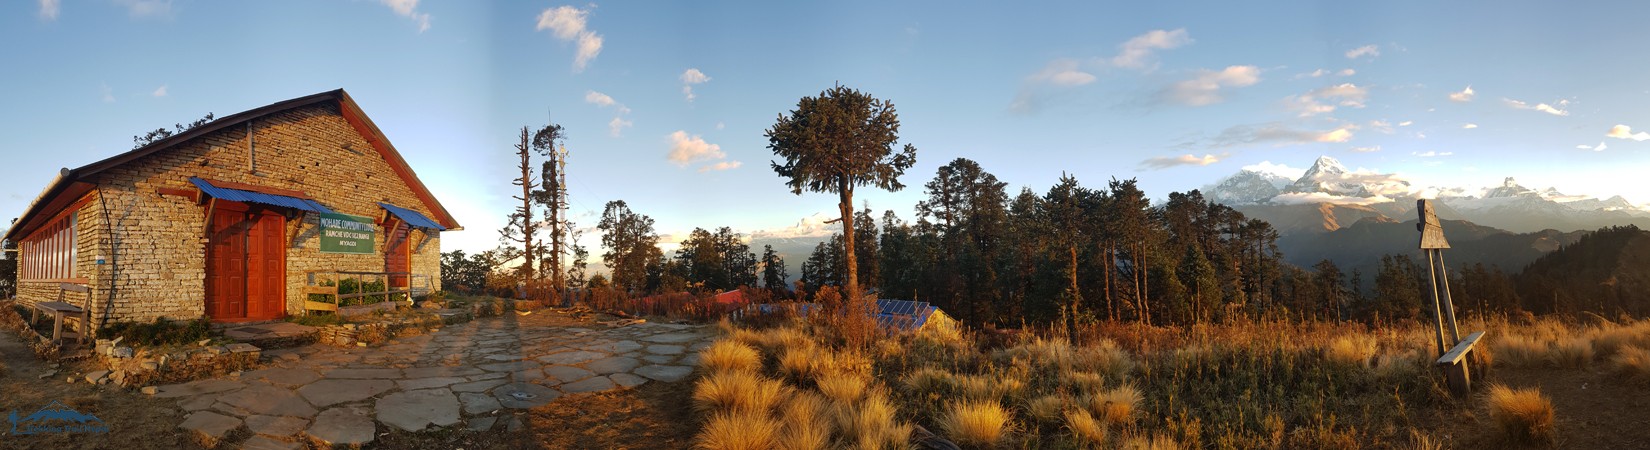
(50, 252)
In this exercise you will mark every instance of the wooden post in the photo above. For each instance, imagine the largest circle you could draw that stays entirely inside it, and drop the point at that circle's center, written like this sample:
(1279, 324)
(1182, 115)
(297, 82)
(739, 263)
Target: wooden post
(1457, 374)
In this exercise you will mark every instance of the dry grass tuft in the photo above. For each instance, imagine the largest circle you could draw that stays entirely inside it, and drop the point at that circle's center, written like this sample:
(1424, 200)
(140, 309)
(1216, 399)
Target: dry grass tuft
(739, 430)
(1116, 405)
(1524, 415)
(1571, 353)
(871, 423)
(1514, 350)
(1154, 442)
(844, 388)
(1105, 358)
(1085, 382)
(730, 355)
(1048, 409)
(976, 423)
(800, 363)
(929, 380)
(1633, 363)
(1399, 366)
(806, 424)
(737, 390)
(1611, 340)
(1088, 431)
(1354, 350)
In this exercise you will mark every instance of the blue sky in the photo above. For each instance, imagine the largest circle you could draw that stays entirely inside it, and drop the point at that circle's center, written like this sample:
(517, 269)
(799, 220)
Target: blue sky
(1175, 95)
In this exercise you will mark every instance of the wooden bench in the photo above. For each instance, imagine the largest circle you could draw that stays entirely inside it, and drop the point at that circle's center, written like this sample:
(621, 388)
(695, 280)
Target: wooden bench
(1455, 368)
(60, 308)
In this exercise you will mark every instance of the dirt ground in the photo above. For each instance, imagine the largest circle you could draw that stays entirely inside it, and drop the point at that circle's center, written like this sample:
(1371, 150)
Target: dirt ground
(1592, 408)
(652, 416)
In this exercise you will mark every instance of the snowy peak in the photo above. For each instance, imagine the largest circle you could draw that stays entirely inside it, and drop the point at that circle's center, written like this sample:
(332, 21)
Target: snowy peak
(1247, 187)
(1509, 189)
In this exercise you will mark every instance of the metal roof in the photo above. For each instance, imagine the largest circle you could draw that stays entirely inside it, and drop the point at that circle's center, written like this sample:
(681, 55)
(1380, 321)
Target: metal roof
(412, 217)
(237, 195)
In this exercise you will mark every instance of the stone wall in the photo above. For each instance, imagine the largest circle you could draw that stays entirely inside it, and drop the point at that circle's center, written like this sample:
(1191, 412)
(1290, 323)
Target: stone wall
(156, 252)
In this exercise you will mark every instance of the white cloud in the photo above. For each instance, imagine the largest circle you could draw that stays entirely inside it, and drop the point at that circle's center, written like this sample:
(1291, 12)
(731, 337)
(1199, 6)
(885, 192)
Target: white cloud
(1367, 50)
(1204, 89)
(720, 125)
(159, 92)
(108, 93)
(1464, 96)
(685, 149)
(618, 124)
(1406, 123)
(1469, 126)
(1598, 148)
(689, 78)
(409, 9)
(820, 224)
(1347, 72)
(147, 8)
(1136, 53)
(1277, 133)
(50, 8)
(1062, 72)
(1164, 162)
(720, 166)
(598, 99)
(1543, 107)
(569, 24)
(1626, 132)
(1370, 149)
(1322, 197)
(1324, 72)
(1346, 94)
(1275, 169)
(1431, 154)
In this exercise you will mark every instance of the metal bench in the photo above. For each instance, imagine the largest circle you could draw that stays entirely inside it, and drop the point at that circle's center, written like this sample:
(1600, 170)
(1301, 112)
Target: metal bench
(59, 308)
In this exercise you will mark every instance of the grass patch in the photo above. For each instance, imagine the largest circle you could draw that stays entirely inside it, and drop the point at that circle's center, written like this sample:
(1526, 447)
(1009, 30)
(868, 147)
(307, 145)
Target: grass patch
(806, 424)
(737, 390)
(739, 430)
(974, 423)
(730, 355)
(1522, 415)
(161, 332)
(1632, 363)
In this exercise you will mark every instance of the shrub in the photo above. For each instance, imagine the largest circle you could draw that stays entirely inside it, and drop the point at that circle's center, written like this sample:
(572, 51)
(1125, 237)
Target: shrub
(805, 424)
(160, 332)
(729, 354)
(1088, 431)
(871, 423)
(739, 430)
(1085, 382)
(976, 423)
(929, 380)
(799, 363)
(1633, 363)
(737, 390)
(1523, 415)
(1048, 409)
(1355, 350)
(1104, 358)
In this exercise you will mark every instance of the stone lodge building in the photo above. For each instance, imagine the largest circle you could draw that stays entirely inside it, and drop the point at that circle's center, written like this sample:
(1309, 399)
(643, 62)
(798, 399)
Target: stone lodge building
(225, 220)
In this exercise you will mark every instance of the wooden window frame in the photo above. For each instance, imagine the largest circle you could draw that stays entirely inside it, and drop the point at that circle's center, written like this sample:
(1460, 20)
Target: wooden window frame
(51, 252)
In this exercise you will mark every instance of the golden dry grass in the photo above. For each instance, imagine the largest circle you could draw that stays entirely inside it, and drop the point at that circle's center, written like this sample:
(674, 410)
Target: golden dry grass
(1612, 339)
(1632, 363)
(739, 430)
(1153, 442)
(978, 424)
(1571, 353)
(1516, 350)
(1085, 382)
(730, 355)
(1048, 409)
(929, 380)
(737, 390)
(1088, 431)
(1522, 415)
(1104, 357)
(800, 362)
(1354, 350)
(871, 424)
(844, 388)
(1116, 405)
(805, 423)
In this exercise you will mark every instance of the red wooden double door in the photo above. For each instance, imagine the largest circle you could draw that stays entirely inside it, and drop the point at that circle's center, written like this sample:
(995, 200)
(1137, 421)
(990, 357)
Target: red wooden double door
(245, 263)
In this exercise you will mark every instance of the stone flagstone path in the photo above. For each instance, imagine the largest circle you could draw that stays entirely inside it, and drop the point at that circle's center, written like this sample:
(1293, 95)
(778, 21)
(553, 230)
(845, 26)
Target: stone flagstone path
(467, 373)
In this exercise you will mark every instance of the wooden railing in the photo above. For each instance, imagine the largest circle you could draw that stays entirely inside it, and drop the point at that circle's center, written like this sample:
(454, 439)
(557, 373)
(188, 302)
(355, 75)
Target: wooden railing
(376, 290)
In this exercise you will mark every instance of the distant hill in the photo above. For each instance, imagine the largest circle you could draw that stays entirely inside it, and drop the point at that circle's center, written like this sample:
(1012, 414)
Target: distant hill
(1607, 271)
(1361, 245)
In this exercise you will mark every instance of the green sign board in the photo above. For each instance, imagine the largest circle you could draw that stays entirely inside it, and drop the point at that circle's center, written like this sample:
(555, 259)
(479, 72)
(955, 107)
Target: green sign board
(343, 233)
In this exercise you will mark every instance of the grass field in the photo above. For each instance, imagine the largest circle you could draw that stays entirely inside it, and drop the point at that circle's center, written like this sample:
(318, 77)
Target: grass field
(1238, 385)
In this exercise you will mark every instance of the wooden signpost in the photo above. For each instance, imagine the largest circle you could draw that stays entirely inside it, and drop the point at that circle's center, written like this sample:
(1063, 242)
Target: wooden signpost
(1452, 348)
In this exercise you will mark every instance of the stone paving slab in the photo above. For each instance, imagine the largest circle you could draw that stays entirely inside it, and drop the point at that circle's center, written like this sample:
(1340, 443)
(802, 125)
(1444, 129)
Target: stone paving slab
(565, 374)
(426, 383)
(210, 427)
(275, 426)
(331, 392)
(364, 373)
(524, 395)
(415, 410)
(265, 443)
(344, 425)
(592, 384)
(282, 376)
(269, 400)
(198, 387)
(668, 374)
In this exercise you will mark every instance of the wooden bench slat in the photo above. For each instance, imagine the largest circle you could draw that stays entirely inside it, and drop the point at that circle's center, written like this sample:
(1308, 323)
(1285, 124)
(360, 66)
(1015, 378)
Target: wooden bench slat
(1454, 355)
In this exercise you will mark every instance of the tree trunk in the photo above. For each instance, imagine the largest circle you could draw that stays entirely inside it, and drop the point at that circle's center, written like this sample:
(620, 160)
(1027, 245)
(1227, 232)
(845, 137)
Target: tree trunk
(527, 227)
(845, 191)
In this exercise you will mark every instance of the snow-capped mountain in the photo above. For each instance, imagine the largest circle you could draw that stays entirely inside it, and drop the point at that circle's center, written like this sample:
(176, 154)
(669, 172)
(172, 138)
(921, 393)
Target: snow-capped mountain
(1305, 201)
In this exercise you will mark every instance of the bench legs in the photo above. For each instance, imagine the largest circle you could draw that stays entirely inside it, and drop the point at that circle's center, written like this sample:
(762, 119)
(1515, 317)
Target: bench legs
(1458, 378)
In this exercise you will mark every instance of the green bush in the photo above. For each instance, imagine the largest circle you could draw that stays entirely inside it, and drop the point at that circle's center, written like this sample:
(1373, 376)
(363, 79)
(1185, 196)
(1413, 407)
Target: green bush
(353, 285)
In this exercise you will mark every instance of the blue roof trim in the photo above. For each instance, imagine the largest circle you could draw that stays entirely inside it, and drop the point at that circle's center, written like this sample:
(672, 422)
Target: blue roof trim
(237, 195)
(412, 217)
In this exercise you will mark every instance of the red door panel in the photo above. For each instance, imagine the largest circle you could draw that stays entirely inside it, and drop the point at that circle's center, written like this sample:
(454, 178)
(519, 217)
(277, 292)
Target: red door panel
(226, 265)
(246, 264)
(398, 254)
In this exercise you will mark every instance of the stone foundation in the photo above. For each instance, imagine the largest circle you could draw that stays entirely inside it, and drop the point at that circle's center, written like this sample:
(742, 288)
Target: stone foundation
(129, 367)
